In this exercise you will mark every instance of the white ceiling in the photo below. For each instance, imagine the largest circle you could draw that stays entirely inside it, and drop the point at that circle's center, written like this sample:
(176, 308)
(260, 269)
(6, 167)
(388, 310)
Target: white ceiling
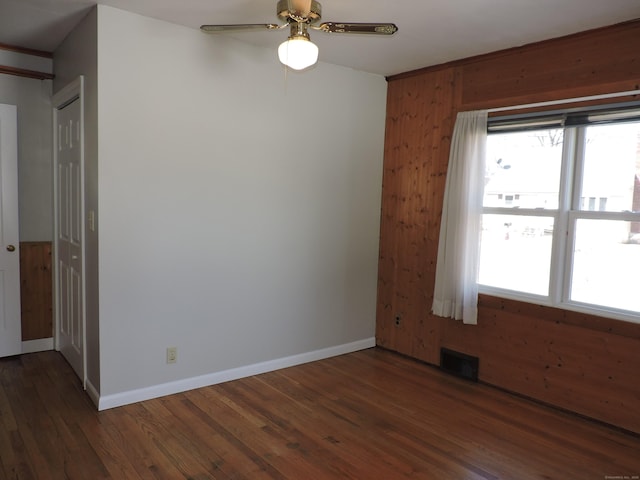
(430, 31)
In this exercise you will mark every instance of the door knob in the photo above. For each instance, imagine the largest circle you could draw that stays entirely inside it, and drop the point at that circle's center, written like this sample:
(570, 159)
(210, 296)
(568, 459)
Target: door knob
(11, 248)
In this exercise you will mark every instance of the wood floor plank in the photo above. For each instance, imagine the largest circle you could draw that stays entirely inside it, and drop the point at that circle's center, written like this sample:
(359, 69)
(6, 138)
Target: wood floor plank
(232, 457)
(263, 445)
(298, 428)
(393, 421)
(346, 440)
(367, 415)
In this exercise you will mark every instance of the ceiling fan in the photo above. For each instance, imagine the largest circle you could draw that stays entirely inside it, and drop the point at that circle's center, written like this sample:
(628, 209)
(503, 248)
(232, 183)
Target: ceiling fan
(298, 52)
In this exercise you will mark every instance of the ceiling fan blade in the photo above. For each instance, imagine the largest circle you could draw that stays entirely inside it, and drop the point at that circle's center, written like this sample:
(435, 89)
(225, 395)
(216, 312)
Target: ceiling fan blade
(240, 27)
(368, 28)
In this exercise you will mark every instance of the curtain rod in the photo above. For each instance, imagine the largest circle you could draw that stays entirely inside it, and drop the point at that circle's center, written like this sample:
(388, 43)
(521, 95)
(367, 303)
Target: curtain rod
(567, 100)
(21, 72)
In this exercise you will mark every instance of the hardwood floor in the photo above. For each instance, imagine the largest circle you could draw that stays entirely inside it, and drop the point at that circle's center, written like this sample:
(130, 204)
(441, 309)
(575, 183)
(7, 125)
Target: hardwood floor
(367, 415)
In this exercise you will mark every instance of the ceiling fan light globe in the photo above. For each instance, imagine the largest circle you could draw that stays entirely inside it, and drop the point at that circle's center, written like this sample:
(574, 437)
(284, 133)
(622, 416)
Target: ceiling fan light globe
(298, 53)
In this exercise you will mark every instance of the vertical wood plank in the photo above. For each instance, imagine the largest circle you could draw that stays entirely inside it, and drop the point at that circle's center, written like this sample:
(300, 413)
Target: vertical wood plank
(419, 121)
(36, 290)
(589, 63)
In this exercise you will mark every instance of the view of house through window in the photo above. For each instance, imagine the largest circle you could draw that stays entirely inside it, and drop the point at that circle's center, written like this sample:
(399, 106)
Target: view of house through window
(562, 212)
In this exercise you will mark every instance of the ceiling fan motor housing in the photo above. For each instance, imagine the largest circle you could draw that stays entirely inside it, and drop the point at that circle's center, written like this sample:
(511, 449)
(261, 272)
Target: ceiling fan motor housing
(295, 10)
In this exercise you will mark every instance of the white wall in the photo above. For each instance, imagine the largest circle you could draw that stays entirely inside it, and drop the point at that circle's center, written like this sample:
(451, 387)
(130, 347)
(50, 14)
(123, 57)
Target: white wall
(232, 224)
(33, 99)
(77, 55)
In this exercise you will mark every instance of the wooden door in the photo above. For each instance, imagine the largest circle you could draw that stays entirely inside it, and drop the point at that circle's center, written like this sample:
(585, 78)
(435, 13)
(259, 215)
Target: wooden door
(10, 327)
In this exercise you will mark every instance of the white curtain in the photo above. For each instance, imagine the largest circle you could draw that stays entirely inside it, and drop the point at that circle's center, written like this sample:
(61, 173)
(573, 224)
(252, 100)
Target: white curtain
(456, 289)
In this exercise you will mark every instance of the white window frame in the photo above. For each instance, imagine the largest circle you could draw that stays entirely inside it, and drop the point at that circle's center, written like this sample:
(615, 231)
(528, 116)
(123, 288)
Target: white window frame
(565, 219)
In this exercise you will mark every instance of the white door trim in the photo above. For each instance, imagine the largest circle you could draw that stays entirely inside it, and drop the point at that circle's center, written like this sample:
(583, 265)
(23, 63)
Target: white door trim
(71, 92)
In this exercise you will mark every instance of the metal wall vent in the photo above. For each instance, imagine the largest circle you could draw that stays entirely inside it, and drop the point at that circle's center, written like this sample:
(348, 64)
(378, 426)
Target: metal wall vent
(459, 364)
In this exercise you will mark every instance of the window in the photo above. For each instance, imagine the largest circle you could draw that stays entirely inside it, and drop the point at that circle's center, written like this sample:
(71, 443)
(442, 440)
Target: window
(567, 233)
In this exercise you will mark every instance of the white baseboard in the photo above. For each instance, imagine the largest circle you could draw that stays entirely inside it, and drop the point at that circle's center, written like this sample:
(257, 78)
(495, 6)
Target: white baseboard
(39, 345)
(138, 395)
(93, 393)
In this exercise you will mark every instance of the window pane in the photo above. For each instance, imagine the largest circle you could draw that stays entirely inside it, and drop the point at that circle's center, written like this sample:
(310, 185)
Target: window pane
(612, 168)
(515, 252)
(523, 169)
(606, 264)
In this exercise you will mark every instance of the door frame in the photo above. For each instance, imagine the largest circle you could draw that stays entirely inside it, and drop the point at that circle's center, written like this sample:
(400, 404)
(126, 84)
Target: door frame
(73, 91)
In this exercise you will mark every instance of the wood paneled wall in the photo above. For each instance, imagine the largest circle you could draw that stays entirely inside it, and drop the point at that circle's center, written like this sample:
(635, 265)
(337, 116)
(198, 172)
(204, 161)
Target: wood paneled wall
(578, 362)
(36, 290)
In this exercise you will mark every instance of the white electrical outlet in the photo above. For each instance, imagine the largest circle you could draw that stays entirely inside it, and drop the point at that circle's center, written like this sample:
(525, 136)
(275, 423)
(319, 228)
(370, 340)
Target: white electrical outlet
(172, 354)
